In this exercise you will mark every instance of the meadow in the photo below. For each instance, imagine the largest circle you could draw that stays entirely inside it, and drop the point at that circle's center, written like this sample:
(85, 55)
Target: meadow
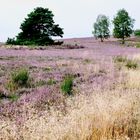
(83, 90)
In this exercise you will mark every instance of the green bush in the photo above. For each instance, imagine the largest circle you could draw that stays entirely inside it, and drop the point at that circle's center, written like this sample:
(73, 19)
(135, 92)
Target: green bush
(137, 32)
(20, 77)
(131, 64)
(13, 97)
(11, 41)
(67, 85)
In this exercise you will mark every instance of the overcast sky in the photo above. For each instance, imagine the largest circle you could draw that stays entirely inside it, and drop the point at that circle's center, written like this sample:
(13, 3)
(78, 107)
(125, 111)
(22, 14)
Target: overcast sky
(75, 16)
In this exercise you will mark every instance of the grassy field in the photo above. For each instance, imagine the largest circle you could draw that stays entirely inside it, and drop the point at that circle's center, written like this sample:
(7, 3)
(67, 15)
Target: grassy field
(89, 92)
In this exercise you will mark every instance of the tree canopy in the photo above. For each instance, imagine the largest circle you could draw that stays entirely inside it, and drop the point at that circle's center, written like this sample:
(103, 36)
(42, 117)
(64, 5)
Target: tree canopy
(137, 32)
(101, 27)
(37, 29)
(123, 25)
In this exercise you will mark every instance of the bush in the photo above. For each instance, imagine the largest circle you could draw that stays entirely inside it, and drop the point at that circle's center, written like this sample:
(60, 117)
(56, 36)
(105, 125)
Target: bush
(40, 83)
(137, 32)
(67, 85)
(11, 41)
(120, 59)
(20, 77)
(51, 81)
(137, 45)
(131, 64)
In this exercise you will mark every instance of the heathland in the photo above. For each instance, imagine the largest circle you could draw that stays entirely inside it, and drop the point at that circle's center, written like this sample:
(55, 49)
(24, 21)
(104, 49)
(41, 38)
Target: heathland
(81, 90)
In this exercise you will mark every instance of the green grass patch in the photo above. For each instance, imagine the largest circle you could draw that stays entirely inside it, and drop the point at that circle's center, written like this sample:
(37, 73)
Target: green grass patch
(67, 85)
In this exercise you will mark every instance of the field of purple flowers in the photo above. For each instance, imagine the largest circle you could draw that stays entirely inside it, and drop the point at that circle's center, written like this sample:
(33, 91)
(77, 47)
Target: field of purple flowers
(103, 104)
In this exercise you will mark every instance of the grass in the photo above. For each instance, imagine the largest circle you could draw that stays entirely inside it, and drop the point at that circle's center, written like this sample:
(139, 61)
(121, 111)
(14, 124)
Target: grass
(20, 77)
(120, 59)
(137, 45)
(67, 84)
(40, 83)
(131, 64)
(101, 116)
(51, 81)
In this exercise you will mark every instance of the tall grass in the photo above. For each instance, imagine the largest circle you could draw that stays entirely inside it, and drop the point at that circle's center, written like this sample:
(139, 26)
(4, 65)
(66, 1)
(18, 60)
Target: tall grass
(101, 116)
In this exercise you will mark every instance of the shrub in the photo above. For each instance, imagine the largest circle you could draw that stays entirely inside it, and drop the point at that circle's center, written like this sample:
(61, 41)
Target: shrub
(20, 77)
(120, 59)
(137, 32)
(40, 83)
(51, 81)
(11, 41)
(87, 61)
(137, 45)
(131, 64)
(11, 86)
(67, 85)
(13, 97)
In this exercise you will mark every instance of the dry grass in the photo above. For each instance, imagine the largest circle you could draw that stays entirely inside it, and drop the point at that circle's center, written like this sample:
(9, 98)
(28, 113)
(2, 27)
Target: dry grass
(101, 116)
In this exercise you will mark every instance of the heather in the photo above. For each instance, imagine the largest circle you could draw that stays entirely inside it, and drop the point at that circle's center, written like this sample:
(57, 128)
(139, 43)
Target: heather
(86, 93)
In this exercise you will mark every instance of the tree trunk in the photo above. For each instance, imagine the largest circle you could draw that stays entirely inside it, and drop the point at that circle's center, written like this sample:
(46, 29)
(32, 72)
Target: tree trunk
(102, 39)
(123, 41)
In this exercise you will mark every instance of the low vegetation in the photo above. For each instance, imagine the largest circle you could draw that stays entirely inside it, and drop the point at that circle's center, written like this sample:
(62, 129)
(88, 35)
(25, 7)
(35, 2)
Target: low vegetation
(131, 64)
(137, 32)
(57, 95)
(67, 85)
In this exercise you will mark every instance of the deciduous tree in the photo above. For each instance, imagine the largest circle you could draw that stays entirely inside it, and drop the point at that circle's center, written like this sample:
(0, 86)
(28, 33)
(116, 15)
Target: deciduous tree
(101, 28)
(123, 25)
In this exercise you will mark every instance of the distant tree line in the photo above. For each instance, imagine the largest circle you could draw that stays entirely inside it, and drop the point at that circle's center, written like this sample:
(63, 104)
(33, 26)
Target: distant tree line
(39, 28)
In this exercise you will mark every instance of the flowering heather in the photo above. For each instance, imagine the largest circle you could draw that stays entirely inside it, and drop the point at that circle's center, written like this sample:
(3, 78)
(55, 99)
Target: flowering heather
(105, 101)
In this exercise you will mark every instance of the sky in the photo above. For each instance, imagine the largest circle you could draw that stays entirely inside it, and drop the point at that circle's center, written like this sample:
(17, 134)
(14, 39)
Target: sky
(76, 17)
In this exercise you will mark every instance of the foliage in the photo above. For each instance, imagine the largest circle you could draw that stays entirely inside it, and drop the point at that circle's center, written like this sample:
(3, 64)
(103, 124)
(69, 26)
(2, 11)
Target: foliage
(37, 29)
(13, 97)
(137, 45)
(101, 27)
(131, 64)
(11, 86)
(67, 85)
(137, 32)
(20, 77)
(123, 25)
(120, 59)
(51, 81)
(11, 41)
(40, 83)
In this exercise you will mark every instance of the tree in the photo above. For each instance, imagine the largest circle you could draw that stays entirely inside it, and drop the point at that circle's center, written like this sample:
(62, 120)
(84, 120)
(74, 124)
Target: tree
(123, 25)
(101, 28)
(137, 32)
(38, 28)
